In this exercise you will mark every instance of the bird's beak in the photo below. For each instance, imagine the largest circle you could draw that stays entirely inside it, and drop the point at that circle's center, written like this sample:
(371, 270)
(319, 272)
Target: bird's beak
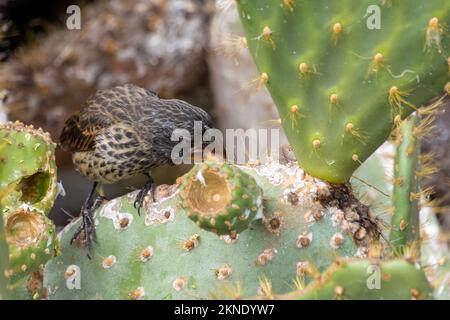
(199, 155)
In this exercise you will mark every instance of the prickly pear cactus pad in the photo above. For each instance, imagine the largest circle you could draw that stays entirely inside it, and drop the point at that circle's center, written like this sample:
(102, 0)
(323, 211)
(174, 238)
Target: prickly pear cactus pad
(28, 188)
(368, 279)
(220, 198)
(341, 82)
(406, 195)
(305, 225)
(27, 168)
(31, 238)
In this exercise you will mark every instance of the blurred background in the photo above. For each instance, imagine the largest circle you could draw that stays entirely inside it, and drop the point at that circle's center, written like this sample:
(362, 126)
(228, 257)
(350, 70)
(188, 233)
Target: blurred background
(188, 49)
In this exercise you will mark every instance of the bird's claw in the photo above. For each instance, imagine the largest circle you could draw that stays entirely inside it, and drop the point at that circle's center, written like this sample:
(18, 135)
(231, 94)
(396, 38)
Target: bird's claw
(139, 202)
(87, 226)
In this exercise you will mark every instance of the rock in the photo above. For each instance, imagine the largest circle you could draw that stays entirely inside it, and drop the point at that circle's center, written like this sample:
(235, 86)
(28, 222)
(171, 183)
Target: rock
(438, 144)
(3, 114)
(157, 44)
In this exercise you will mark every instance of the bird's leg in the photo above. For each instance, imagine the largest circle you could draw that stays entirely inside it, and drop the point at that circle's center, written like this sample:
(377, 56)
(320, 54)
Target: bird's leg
(87, 225)
(149, 186)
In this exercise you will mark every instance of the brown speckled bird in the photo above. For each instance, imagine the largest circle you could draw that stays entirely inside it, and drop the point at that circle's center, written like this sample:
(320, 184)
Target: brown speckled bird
(122, 132)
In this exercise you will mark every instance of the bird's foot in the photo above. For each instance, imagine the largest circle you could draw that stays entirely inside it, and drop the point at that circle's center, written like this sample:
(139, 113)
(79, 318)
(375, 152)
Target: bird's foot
(148, 187)
(87, 227)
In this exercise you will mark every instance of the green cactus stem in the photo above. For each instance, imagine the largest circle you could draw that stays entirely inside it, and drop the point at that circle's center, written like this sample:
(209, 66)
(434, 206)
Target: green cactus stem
(405, 221)
(340, 82)
(304, 226)
(368, 280)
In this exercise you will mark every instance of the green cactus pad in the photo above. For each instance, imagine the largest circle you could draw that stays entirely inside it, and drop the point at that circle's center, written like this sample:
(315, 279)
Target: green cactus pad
(32, 242)
(339, 82)
(165, 255)
(368, 280)
(28, 188)
(220, 198)
(405, 221)
(27, 170)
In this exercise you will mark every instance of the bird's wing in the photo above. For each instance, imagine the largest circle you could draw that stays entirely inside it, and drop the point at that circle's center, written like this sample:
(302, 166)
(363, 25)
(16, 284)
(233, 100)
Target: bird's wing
(79, 132)
(104, 109)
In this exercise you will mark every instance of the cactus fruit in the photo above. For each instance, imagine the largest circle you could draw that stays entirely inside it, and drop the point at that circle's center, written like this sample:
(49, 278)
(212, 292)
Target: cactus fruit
(340, 82)
(28, 188)
(220, 197)
(305, 225)
(368, 279)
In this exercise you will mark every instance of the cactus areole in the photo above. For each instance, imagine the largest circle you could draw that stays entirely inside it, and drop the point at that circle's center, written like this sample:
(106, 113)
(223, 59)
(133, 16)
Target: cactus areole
(339, 81)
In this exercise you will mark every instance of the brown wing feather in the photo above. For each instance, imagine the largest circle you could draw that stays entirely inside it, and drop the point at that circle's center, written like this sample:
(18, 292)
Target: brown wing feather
(78, 135)
(102, 110)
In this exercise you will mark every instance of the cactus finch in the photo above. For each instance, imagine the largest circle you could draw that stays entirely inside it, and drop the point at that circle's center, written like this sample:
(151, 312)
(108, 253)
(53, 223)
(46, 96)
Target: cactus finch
(122, 132)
